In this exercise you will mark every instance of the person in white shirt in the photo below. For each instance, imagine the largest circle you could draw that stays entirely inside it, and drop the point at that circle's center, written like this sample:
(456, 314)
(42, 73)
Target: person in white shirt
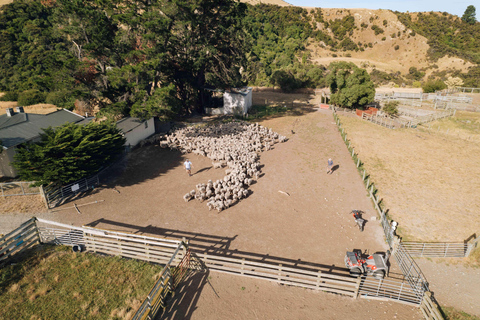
(188, 166)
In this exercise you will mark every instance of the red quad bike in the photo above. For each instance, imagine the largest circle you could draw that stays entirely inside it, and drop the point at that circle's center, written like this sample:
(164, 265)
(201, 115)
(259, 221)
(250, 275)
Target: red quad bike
(357, 214)
(362, 264)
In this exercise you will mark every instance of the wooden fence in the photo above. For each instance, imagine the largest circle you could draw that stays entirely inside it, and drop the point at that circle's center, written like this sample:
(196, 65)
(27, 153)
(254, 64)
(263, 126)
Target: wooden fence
(18, 188)
(429, 308)
(315, 280)
(22, 238)
(437, 249)
(382, 121)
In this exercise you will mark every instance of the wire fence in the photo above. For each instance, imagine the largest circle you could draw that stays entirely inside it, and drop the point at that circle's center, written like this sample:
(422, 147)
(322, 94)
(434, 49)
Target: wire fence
(18, 188)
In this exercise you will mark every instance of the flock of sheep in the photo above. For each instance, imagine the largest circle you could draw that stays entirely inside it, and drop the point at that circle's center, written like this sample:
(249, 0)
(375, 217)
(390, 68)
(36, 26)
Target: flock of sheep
(235, 145)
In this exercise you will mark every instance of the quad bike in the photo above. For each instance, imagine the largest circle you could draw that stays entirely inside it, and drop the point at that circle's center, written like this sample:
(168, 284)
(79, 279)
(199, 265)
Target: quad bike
(362, 264)
(357, 214)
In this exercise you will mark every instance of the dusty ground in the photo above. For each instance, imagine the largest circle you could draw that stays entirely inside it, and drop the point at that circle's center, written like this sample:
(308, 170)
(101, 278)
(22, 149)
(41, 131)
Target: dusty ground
(428, 181)
(312, 225)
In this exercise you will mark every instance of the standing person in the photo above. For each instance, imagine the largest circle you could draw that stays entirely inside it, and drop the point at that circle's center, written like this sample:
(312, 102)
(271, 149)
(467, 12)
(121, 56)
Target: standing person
(330, 165)
(188, 166)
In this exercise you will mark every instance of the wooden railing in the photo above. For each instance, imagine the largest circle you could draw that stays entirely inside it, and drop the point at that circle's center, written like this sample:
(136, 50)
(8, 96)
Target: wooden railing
(429, 308)
(23, 237)
(315, 280)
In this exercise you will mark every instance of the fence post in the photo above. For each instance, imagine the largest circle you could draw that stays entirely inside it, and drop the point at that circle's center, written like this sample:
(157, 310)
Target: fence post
(21, 186)
(472, 247)
(357, 287)
(279, 272)
(44, 197)
(358, 162)
(363, 179)
(353, 151)
(243, 264)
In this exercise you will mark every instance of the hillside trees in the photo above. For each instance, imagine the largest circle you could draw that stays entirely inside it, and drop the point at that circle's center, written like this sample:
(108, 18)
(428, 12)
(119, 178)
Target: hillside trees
(68, 153)
(350, 86)
(469, 15)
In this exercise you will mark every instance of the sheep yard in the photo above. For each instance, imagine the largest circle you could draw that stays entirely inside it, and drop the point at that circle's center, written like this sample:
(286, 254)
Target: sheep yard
(308, 222)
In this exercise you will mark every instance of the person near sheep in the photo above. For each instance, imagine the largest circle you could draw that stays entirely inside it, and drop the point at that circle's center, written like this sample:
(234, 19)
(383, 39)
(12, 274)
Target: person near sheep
(330, 166)
(188, 166)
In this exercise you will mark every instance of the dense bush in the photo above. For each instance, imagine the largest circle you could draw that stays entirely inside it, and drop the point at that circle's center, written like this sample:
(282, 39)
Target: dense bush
(348, 44)
(391, 108)
(433, 85)
(62, 99)
(377, 29)
(29, 97)
(340, 27)
(9, 96)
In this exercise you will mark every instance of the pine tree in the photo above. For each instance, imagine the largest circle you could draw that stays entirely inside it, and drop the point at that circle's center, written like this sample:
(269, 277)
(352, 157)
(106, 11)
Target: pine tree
(469, 15)
(68, 153)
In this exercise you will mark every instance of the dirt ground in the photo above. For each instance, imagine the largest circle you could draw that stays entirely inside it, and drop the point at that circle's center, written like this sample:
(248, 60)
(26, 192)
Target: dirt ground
(310, 225)
(429, 181)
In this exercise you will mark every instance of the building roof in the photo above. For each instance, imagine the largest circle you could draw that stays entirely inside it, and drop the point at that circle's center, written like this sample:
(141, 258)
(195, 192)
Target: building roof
(128, 124)
(22, 127)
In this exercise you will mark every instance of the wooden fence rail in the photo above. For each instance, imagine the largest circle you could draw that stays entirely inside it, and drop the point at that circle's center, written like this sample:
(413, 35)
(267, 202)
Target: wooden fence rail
(22, 238)
(437, 249)
(430, 308)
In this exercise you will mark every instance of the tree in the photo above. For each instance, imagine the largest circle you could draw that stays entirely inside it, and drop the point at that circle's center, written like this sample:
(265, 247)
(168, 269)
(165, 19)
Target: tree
(469, 15)
(433, 85)
(391, 108)
(350, 86)
(67, 153)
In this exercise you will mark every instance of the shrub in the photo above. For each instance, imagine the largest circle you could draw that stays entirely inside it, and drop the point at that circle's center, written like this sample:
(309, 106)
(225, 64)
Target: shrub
(334, 55)
(396, 47)
(9, 96)
(433, 85)
(393, 35)
(377, 29)
(348, 44)
(29, 97)
(385, 23)
(391, 108)
(384, 38)
(413, 33)
(370, 45)
(363, 25)
(62, 99)
(416, 84)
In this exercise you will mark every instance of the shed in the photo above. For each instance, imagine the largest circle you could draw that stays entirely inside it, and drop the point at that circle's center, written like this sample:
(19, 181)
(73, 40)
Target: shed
(136, 130)
(235, 101)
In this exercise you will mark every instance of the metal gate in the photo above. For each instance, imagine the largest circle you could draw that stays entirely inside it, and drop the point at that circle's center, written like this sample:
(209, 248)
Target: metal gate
(55, 196)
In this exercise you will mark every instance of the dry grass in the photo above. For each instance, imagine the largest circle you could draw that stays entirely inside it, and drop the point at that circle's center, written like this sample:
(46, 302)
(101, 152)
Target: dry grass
(429, 182)
(22, 204)
(80, 293)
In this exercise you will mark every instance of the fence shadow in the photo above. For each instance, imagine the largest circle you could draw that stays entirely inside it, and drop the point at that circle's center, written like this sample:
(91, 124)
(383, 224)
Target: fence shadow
(183, 302)
(201, 243)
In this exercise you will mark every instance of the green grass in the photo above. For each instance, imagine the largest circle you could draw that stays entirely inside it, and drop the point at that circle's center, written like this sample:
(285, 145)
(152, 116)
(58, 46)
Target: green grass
(265, 111)
(454, 314)
(52, 282)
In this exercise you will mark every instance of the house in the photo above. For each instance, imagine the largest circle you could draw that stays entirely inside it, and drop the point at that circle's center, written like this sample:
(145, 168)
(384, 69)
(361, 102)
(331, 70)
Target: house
(135, 130)
(236, 101)
(17, 127)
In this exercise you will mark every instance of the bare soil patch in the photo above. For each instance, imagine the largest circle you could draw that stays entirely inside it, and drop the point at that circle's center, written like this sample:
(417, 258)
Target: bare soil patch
(428, 181)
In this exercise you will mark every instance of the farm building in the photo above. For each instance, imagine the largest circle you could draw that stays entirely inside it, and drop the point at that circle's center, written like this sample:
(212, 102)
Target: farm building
(235, 101)
(17, 127)
(135, 130)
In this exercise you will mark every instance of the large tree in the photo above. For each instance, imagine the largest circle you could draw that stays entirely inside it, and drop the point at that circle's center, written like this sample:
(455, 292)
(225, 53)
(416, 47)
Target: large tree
(469, 15)
(350, 86)
(67, 153)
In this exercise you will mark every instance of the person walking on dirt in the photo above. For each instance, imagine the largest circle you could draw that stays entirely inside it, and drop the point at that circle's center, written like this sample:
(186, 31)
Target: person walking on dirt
(188, 166)
(330, 166)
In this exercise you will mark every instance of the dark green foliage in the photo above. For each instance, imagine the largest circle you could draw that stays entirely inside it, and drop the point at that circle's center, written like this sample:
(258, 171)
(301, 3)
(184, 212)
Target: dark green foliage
(469, 15)
(29, 97)
(472, 77)
(384, 38)
(446, 34)
(385, 23)
(415, 74)
(340, 27)
(391, 108)
(317, 15)
(285, 80)
(433, 85)
(61, 98)
(350, 86)
(381, 77)
(348, 44)
(396, 47)
(363, 25)
(9, 96)
(68, 153)
(377, 29)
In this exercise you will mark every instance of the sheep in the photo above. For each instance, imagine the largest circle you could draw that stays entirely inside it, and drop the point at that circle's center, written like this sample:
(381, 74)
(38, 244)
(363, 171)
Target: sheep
(187, 197)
